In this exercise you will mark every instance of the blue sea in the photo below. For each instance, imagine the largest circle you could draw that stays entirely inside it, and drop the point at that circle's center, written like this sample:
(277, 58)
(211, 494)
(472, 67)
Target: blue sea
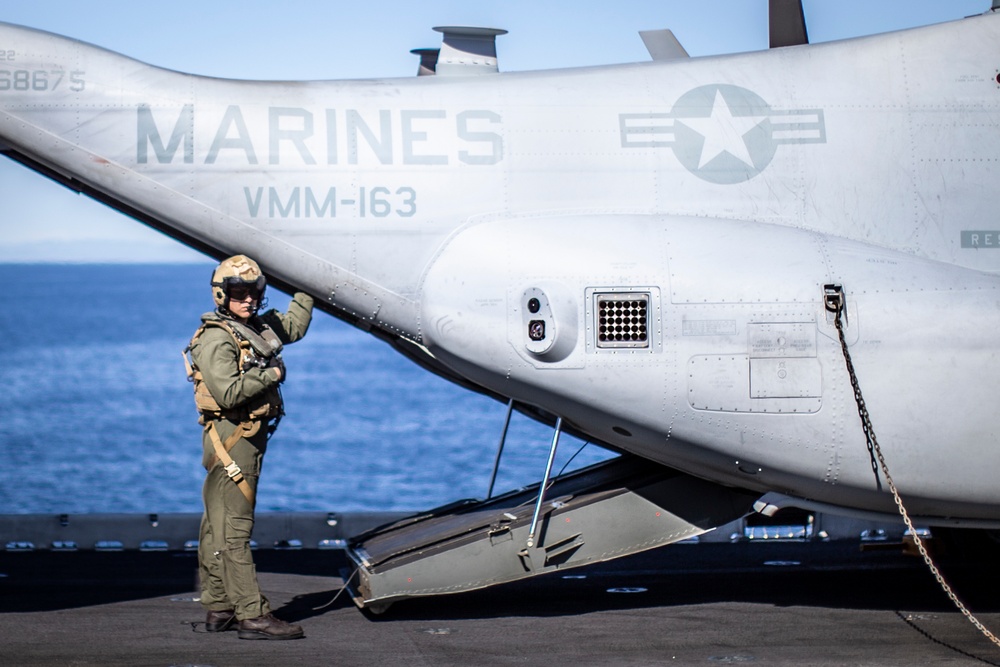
(99, 416)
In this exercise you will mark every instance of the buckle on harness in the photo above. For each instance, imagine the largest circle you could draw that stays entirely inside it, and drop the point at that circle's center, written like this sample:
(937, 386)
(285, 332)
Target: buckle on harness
(233, 470)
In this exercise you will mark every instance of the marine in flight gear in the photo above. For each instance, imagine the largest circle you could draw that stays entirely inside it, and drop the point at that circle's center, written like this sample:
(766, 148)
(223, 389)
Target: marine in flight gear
(236, 367)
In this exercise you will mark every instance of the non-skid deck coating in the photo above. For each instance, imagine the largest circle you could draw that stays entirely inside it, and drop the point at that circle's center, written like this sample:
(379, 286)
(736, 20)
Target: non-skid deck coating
(745, 603)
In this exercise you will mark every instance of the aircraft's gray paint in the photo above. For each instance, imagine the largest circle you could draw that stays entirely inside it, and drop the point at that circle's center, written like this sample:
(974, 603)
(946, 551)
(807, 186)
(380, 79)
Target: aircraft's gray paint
(729, 190)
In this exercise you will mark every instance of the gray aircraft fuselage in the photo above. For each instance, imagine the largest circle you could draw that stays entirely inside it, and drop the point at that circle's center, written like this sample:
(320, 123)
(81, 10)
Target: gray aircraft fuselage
(697, 206)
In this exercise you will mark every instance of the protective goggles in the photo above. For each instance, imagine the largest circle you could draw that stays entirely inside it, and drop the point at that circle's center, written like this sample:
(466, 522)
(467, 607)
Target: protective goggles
(239, 289)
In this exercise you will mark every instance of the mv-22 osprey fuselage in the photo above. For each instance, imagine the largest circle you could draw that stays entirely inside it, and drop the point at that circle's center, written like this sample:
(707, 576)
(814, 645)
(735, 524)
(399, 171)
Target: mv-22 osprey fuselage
(641, 250)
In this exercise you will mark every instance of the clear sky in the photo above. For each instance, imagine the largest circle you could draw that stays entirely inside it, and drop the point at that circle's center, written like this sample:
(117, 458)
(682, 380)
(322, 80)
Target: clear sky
(305, 39)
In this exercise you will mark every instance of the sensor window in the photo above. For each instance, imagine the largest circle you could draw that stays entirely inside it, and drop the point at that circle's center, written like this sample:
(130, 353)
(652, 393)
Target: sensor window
(536, 330)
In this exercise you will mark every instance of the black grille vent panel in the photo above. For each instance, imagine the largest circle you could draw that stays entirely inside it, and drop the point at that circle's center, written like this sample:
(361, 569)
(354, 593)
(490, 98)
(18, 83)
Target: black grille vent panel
(622, 320)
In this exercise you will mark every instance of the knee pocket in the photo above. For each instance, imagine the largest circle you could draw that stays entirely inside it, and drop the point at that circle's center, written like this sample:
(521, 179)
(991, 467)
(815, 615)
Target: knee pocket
(238, 531)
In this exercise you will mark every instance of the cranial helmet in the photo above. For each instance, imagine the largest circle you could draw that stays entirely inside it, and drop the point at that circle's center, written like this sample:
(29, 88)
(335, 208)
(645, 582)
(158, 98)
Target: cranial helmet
(237, 270)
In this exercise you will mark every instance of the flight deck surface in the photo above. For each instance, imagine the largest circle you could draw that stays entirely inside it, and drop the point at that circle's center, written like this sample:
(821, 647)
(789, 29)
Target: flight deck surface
(777, 603)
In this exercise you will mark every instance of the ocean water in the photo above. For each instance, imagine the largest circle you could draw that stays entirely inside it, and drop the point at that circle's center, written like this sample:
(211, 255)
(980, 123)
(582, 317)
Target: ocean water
(99, 416)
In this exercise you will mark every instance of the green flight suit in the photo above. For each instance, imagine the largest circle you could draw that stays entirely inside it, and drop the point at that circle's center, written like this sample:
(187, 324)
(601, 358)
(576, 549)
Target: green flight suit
(228, 575)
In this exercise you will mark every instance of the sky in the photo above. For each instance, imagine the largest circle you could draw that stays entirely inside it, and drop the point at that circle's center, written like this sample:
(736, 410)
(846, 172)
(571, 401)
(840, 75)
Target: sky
(305, 39)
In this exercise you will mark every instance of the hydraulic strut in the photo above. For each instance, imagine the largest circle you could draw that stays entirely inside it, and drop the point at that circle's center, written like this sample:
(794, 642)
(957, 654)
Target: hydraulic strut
(545, 483)
(503, 440)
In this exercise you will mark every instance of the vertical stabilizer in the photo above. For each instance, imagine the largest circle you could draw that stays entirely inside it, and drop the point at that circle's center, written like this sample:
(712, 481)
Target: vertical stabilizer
(787, 23)
(662, 45)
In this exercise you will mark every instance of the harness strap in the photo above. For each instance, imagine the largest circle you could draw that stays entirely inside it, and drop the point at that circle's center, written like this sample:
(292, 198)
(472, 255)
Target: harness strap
(222, 453)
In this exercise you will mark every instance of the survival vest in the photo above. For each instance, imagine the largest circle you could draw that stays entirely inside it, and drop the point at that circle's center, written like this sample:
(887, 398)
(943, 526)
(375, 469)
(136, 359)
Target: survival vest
(256, 350)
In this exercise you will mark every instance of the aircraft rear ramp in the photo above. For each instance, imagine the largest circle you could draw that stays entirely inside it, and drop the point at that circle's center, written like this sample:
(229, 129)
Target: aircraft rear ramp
(602, 512)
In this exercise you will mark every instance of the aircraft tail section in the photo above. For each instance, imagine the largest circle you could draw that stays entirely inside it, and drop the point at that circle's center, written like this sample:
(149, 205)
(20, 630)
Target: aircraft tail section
(134, 136)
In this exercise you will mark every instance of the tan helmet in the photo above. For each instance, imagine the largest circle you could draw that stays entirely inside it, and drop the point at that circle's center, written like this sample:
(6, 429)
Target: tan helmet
(237, 270)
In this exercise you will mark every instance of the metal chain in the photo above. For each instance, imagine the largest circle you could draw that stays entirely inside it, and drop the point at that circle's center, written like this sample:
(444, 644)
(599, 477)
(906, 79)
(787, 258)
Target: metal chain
(874, 447)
